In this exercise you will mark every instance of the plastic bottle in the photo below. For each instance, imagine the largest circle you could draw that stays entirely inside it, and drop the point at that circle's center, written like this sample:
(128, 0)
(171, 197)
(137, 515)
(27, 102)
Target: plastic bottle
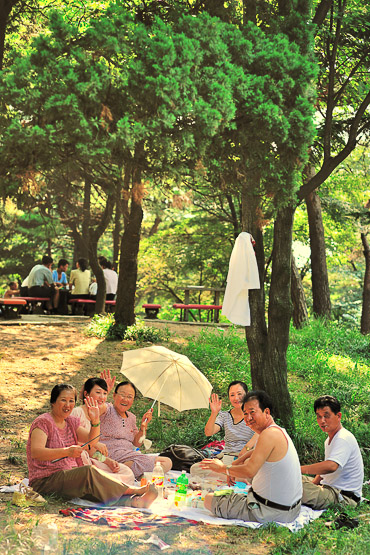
(158, 478)
(45, 537)
(181, 489)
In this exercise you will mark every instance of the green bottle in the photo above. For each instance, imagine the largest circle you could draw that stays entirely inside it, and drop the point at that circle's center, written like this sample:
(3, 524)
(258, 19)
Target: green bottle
(181, 489)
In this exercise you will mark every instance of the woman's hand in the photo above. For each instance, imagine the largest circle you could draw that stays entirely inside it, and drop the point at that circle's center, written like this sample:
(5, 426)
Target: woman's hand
(92, 409)
(146, 419)
(102, 448)
(74, 451)
(113, 465)
(105, 375)
(215, 403)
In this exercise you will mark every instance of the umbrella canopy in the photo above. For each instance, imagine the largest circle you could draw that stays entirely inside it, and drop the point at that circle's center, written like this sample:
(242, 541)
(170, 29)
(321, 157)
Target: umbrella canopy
(168, 377)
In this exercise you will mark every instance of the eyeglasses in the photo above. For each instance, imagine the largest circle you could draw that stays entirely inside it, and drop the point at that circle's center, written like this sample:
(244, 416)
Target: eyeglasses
(128, 397)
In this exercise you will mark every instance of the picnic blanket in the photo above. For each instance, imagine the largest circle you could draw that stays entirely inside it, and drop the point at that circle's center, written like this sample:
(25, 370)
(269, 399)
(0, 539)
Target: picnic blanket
(197, 515)
(125, 517)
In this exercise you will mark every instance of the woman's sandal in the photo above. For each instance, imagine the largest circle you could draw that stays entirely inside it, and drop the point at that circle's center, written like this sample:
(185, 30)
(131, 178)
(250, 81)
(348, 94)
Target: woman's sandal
(27, 497)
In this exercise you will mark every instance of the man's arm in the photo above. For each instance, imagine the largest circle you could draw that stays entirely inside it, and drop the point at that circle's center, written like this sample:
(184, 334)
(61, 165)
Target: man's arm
(266, 444)
(324, 467)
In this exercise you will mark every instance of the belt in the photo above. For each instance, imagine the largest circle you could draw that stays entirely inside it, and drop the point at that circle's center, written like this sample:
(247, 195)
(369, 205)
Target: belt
(272, 504)
(351, 495)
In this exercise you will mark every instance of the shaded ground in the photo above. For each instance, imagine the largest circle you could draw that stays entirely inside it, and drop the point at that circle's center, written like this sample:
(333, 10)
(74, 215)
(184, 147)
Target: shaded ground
(32, 359)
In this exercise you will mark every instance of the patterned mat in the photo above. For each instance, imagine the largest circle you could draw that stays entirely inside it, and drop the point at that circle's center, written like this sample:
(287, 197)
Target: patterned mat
(125, 517)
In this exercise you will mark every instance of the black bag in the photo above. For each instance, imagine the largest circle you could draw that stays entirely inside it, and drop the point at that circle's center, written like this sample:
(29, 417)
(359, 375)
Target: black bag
(182, 456)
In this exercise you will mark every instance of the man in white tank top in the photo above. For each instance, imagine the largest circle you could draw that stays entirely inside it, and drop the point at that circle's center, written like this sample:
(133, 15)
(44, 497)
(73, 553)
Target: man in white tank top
(339, 478)
(272, 466)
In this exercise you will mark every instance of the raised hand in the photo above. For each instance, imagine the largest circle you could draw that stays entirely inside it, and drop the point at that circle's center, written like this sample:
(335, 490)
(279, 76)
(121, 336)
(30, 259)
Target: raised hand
(215, 403)
(92, 409)
(105, 375)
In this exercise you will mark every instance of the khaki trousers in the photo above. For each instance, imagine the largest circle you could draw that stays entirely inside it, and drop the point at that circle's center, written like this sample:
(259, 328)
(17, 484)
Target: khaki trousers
(246, 507)
(87, 482)
(320, 497)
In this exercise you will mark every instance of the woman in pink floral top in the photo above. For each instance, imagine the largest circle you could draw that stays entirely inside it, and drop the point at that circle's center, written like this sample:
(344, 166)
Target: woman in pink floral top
(121, 434)
(54, 456)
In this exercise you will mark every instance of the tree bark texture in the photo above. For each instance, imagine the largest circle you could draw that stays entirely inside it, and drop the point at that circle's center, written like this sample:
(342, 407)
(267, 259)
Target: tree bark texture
(125, 303)
(365, 316)
(300, 313)
(117, 226)
(319, 271)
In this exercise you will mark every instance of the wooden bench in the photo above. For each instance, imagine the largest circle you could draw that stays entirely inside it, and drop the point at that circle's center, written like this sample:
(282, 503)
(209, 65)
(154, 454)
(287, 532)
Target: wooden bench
(86, 303)
(10, 307)
(151, 310)
(212, 310)
(32, 303)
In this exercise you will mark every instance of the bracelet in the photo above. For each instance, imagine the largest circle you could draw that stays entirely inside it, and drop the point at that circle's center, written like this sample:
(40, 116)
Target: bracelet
(95, 425)
(227, 470)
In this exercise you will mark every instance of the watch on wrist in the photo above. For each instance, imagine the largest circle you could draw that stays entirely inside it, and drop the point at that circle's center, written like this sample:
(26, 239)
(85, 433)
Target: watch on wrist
(228, 466)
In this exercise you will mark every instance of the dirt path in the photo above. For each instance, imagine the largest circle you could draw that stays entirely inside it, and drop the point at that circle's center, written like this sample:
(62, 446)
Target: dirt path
(32, 359)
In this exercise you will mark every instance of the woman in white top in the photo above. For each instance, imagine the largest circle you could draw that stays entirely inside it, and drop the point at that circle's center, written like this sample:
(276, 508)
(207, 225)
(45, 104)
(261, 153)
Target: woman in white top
(97, 389)
(79, 280)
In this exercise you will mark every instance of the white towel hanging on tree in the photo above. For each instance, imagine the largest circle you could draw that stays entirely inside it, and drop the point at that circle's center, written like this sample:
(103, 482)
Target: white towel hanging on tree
(243, 275)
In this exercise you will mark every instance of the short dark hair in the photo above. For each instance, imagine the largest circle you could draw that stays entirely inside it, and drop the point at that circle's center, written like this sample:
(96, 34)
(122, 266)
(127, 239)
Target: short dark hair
(89, 384)
(125, 383)
(237, 382)
(57, 390)
(46, 260)
(327, 401)
(62, 262)
(263, 399)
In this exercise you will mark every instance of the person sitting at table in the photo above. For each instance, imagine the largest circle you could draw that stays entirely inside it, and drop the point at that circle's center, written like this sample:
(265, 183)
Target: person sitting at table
(111, 279)
(41, 284)
(97, 389)
(237, 433)
(59, 275)
(54, 456)
(121, 435)
(13, 290)
(79, 280)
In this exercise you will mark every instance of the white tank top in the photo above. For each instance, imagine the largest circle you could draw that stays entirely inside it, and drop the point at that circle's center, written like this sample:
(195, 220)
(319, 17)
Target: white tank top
(280, 481)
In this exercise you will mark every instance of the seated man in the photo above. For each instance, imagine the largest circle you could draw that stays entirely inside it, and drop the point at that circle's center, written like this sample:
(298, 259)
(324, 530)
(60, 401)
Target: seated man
(59, 275)
(40, 282)
(272, 466)
(340, 476)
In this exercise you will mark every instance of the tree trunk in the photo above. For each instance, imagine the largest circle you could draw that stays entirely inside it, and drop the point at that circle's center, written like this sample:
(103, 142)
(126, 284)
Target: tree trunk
(267, 348)
(365, 316)
(300, 313)
(274, 375)
(319, 271)
(125, 304)
(6, 7)
(117, 226)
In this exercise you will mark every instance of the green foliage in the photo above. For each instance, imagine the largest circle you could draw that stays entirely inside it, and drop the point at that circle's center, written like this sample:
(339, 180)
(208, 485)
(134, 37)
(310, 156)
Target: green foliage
(141, 333)
(105, 326)
(99, 325)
